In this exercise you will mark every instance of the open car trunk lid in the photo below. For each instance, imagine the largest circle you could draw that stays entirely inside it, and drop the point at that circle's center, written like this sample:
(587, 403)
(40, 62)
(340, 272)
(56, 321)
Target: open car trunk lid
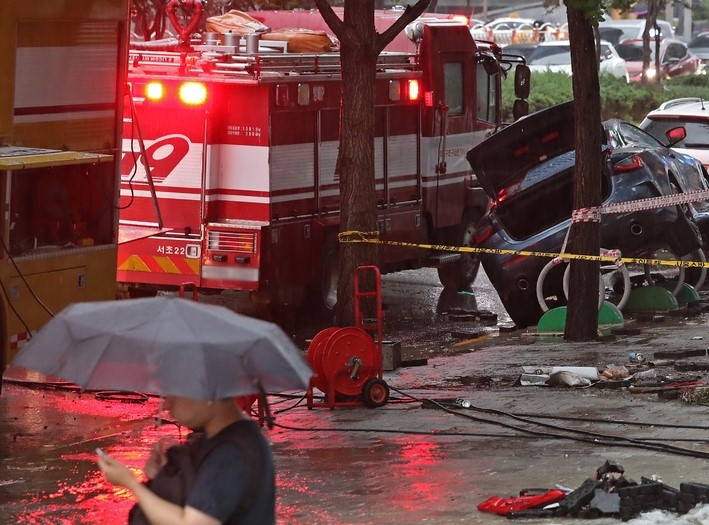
(504, 158)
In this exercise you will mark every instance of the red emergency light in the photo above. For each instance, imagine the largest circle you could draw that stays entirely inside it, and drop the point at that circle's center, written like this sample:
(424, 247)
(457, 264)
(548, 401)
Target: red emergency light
(154, 91)
(193, 93)
(414, 89)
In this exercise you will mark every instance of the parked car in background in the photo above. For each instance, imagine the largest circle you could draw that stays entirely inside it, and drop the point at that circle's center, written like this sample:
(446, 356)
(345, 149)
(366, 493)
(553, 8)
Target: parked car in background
(527, 170)
(699, 45)
(615, 31)
(693, 114)
(511, 23)
(555, 56)
(675, 59)
(523, 50)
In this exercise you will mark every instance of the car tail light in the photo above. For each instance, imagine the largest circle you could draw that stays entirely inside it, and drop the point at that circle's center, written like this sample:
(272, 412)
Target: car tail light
(630, 163)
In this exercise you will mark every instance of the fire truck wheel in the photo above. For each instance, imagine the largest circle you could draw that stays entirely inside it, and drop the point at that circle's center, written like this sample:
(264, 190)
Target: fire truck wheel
(375, 393)
(461, 274)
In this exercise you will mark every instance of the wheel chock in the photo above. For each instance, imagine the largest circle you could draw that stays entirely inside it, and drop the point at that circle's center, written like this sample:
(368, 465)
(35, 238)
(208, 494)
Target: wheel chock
(650, 299)
(610, 315)
(554, 320)
(686, 295)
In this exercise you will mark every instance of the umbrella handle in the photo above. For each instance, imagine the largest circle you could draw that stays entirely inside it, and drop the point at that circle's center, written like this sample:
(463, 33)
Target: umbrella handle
(263, 403)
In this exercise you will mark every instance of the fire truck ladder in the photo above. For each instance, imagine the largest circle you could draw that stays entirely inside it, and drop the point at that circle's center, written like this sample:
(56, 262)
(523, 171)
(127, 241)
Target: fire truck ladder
(133, 120)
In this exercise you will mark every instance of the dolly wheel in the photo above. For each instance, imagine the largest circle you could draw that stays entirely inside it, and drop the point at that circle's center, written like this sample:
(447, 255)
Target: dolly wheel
(375, 393)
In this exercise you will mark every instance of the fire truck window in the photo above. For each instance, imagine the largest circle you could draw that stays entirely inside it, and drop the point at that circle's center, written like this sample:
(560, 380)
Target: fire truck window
(486, 97)
(60, 207)
(453, 76)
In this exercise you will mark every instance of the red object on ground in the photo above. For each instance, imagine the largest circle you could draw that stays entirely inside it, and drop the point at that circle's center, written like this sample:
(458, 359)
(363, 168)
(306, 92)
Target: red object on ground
(527, 499)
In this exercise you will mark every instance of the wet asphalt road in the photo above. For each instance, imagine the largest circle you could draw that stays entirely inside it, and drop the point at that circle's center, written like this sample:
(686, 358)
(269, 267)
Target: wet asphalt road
(398, 464)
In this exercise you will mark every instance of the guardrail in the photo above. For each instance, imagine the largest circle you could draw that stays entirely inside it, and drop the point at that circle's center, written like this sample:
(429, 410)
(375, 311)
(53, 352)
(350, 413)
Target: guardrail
(522, 35)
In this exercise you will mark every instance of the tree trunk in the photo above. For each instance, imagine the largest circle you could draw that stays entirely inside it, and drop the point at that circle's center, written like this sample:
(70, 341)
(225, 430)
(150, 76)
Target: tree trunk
(584, 237)
(356, 155)
(360, 45)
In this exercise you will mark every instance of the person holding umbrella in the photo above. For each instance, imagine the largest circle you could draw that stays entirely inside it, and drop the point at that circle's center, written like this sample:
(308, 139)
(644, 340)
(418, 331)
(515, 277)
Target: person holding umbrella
(225, 476)
(200, 357)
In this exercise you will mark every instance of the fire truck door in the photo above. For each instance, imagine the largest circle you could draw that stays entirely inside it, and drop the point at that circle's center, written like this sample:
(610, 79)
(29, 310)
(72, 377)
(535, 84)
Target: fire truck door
(453, 129)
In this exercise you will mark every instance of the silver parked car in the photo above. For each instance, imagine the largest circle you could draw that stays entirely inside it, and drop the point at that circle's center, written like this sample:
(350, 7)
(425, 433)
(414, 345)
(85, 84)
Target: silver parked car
(555, 56)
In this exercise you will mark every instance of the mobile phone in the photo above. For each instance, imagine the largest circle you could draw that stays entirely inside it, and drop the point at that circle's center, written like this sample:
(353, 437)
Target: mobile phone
(100, 452)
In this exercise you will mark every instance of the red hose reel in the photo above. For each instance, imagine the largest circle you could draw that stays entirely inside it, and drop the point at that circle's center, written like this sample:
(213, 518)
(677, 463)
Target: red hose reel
(348, 361)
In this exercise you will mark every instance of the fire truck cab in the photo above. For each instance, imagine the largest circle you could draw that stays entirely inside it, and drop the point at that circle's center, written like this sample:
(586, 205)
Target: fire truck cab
(228, 173)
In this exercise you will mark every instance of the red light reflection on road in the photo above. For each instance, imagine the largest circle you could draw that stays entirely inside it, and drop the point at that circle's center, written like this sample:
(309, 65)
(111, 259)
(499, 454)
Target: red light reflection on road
(418, 470)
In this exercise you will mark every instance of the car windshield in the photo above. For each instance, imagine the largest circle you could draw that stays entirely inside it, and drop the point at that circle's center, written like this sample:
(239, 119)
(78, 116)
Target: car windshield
(551, 56)
(697, 131)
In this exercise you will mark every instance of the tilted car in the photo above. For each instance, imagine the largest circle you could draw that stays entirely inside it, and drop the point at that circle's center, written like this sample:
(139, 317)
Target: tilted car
(527, 170)
(555, 56)
(675, 59)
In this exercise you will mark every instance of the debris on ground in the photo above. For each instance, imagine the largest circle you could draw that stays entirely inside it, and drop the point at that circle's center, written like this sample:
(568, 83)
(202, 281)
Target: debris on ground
(607, 493)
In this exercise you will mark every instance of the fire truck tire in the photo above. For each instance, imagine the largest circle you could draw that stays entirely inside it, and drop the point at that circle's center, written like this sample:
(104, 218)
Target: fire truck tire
(375, 393)
(461, 274)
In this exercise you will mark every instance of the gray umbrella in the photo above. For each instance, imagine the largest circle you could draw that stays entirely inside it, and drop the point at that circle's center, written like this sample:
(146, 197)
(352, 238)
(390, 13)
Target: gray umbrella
(166, 346)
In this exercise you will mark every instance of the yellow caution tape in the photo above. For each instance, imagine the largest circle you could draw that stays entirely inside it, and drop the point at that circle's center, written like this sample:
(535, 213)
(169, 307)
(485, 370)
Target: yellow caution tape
(371, 238)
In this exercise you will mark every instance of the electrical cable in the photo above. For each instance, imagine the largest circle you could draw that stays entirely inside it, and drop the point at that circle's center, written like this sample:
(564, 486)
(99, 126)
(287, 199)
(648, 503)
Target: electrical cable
(527, 433)
(24, 280)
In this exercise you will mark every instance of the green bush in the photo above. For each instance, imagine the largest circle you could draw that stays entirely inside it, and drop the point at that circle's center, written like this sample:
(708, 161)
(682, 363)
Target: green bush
(629, 102)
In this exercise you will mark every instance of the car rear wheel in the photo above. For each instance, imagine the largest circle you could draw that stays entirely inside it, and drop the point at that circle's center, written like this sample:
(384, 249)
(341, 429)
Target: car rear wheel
(461, 273)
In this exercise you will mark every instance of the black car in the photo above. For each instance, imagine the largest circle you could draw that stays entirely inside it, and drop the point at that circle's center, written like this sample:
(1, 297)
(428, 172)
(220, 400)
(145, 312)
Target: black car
(527, 170)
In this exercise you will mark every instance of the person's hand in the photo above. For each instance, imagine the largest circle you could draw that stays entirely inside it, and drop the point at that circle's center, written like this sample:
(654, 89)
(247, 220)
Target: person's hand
(116, 472)
(156, 461)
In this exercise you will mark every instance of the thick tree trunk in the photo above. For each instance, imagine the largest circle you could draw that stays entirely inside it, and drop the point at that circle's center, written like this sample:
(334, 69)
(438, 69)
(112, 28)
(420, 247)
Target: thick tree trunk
(356, 155)
(582, 312)
(360, 45)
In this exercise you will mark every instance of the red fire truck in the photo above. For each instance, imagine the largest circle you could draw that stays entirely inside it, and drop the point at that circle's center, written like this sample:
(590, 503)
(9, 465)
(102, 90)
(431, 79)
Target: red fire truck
(228, 174)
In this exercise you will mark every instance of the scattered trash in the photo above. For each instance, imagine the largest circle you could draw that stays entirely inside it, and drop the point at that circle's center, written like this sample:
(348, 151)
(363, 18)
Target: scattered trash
(697, 338)
(615, 372)
(608, 493)
(589, 372)
(463, 402)
(527, 499)
(533, 379)
(645, 374)
(636, 357)
(567, 378)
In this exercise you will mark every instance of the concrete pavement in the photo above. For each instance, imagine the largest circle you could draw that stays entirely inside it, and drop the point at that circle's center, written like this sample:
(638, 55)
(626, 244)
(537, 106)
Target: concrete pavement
(418, 459)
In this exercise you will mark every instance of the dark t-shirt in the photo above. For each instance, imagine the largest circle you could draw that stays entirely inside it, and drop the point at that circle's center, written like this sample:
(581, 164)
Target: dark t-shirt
(222, 480)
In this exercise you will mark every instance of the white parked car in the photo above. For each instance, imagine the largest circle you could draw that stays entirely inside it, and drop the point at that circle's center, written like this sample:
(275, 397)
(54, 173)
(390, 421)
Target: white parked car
(555, 56)
(693, 114)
